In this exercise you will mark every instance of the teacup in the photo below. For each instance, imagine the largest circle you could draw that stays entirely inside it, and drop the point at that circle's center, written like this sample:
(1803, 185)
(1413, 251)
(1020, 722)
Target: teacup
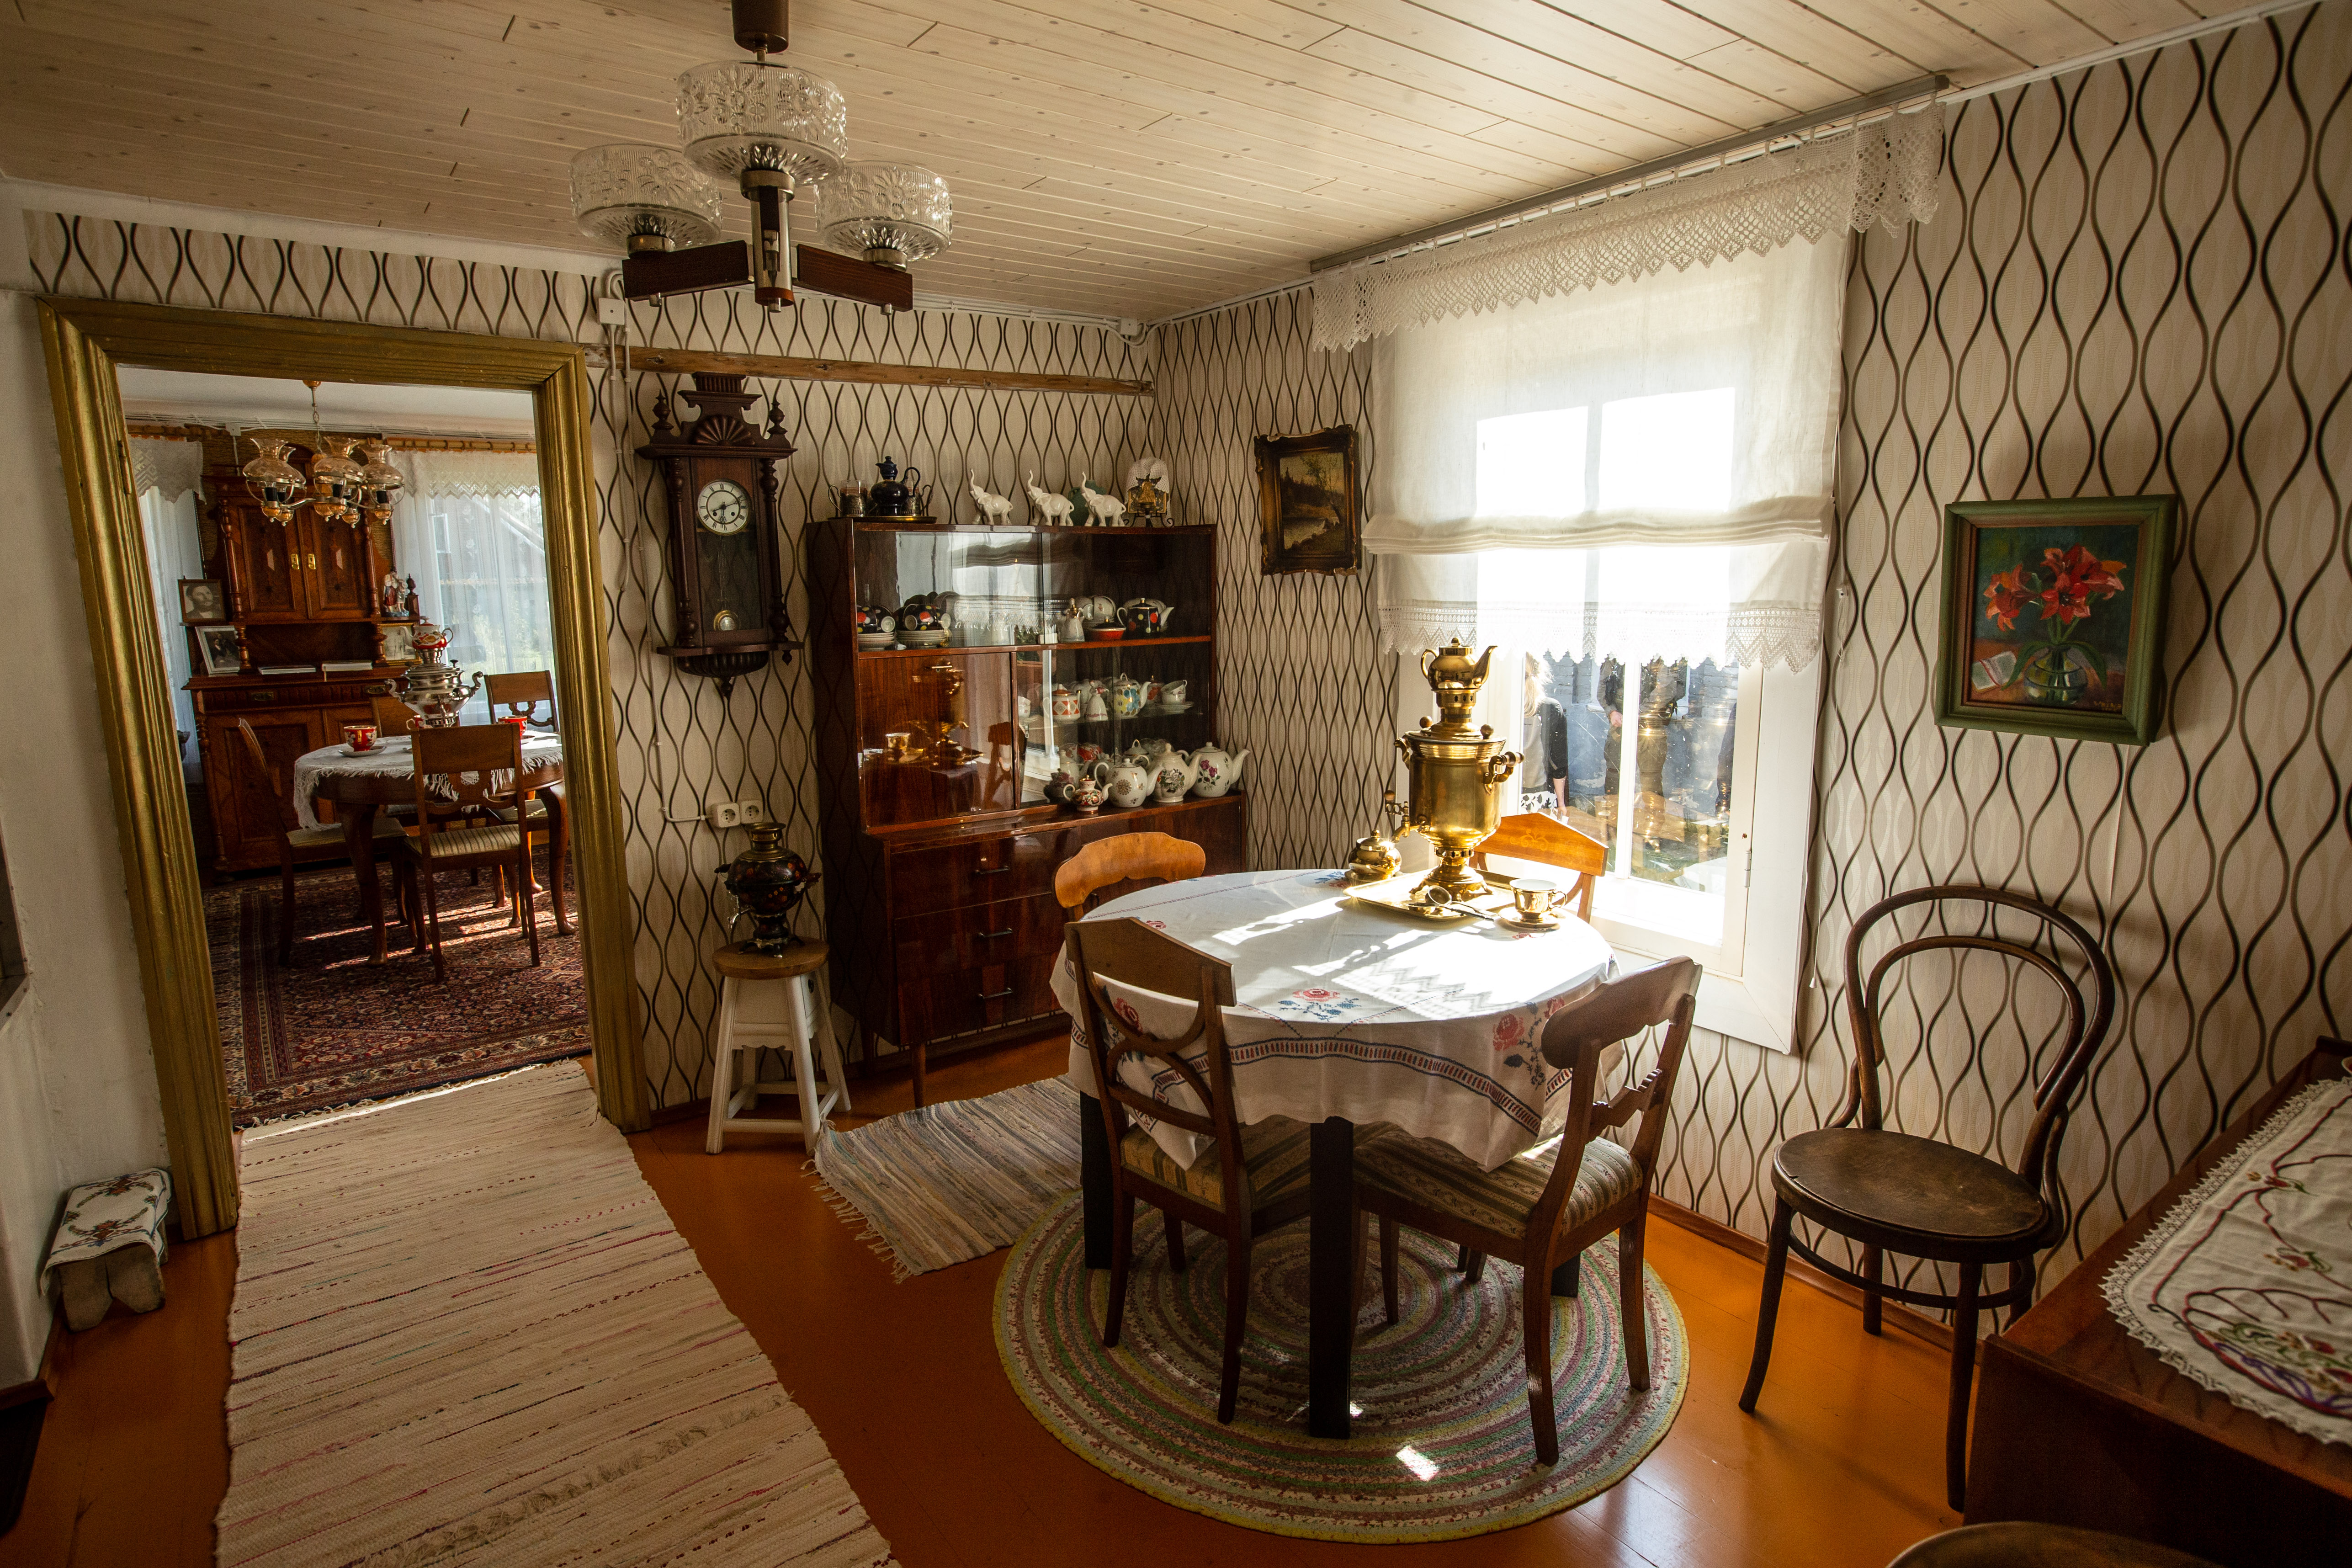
(1534, 900)
(360, 737)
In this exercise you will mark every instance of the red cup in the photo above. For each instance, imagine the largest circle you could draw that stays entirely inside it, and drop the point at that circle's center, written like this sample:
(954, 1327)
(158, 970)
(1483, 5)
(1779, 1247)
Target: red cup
(360, 737)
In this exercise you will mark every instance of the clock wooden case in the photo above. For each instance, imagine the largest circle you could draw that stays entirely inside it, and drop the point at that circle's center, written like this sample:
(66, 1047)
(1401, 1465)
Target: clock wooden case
(720, 474)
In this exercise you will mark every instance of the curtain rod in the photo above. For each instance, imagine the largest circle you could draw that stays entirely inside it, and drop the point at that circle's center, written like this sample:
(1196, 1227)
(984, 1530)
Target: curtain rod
(1713, 151)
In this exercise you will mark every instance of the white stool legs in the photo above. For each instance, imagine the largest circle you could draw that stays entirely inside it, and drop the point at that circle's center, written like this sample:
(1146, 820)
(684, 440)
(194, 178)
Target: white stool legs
(785, 1015)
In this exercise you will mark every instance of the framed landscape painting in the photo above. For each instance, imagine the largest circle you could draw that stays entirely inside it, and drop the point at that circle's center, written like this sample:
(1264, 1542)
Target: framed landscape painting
(2054, 611)
(1306, 502)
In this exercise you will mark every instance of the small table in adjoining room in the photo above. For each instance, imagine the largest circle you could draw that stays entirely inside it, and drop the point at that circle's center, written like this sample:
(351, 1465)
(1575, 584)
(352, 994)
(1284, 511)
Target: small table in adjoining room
(1344, 1015)
(360, 784)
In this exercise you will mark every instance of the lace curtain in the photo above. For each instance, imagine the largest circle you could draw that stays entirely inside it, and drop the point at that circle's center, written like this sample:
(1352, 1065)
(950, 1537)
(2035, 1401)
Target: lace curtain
(174, 550)
(1881, 173)
(1538, 462)
(468, 528)
(171, 467)
(478, 474)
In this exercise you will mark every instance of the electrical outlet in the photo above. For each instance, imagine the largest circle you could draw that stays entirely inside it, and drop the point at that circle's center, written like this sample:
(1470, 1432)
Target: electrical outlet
(612, 312)
(724, 813)
(752, 811)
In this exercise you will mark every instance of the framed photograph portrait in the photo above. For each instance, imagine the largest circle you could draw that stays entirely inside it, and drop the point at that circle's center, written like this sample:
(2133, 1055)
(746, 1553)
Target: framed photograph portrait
(2053, 617)
(1309, 511)
(219, 650)
(202, 602)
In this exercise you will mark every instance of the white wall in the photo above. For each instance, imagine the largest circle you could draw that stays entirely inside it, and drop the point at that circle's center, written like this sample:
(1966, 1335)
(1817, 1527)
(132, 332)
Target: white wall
(78, 1098)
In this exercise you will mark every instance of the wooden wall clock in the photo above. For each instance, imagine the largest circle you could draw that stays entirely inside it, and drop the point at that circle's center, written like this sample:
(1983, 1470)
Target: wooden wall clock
(725, 531)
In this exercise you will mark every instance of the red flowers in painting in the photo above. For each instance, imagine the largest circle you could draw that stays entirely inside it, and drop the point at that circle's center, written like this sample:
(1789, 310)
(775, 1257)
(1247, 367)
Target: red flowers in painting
(2063, 588)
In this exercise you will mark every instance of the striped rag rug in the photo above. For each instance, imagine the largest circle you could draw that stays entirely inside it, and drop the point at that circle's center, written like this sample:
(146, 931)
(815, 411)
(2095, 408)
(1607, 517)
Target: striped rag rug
(466, 1333)
(955, 1181)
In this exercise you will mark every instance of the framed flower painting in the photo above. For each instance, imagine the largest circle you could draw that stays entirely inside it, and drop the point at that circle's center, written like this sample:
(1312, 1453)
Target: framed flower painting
(2052, 614)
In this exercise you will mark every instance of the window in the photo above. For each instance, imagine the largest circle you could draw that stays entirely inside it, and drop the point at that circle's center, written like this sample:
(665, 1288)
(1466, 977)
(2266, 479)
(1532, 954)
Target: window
(480, 564)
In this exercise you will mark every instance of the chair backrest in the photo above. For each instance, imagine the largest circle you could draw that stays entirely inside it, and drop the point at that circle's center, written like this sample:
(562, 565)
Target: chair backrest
(2054, 936)
(454, 767)
(1136, 954)
(1576, 1037)
(521, 692)
(1128, 857)
(261, 795)
(1531, 836)
(392, 716)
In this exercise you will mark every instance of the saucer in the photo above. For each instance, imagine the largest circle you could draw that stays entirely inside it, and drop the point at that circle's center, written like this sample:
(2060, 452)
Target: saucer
(1510, 918)
(375, 750)
(1175, 708)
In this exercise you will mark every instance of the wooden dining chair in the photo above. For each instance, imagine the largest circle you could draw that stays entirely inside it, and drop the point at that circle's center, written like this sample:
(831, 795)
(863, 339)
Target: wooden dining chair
(269, 798)
(1546, 1206)
(458, 766)
(394, 717)
(1892, 1192)
(1129, 857)
(1547, 840)
(521, 692)
(1245, 1182)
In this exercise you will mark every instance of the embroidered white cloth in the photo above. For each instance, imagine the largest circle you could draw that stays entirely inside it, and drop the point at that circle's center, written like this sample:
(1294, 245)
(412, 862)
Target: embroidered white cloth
(1345, 1011)
(107, 1216)
(390, 756)
(2246, 1286)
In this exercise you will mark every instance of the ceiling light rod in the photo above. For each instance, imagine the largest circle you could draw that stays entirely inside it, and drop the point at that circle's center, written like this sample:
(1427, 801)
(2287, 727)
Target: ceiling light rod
(1458, 228)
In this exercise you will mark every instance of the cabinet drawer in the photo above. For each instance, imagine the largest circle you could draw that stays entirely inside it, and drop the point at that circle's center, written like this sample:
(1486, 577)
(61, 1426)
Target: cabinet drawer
(978, 935)
(966, 1000)
(987, 870)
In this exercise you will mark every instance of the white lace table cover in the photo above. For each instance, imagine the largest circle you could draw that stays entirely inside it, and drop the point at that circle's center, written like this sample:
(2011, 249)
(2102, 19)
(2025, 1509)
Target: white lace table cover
(390, 756)
(2246, 1285)
(1345, 1011)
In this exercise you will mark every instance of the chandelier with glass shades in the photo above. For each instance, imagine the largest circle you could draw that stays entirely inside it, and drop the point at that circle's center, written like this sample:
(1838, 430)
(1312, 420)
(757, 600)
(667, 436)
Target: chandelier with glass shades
(339, 488)
(776, 133)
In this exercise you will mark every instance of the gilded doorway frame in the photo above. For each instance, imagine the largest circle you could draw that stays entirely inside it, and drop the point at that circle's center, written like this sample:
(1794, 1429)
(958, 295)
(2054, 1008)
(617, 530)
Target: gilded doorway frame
(85, 340)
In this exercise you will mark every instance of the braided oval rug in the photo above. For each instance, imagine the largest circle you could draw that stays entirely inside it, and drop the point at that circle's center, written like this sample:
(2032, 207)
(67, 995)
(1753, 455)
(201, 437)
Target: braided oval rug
(465, 1332)
(1441, 1446)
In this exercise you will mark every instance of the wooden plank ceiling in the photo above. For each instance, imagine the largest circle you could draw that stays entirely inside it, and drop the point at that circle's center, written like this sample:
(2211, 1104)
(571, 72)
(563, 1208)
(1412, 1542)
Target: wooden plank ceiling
(1107, 156)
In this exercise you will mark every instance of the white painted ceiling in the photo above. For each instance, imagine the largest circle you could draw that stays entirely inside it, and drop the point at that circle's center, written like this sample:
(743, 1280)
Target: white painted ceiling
(181, 396)
(1107, 156)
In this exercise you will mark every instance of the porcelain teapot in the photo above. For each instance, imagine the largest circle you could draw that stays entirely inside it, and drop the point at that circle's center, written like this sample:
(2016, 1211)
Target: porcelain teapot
(1087, 793)
(1129, 783)
(1066, 703)
(1126, 696)
(1214, 772)
(1174, 775)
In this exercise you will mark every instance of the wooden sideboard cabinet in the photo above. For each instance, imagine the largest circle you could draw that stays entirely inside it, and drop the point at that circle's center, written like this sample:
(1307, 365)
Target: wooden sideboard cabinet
(940, 845)
(289, 715)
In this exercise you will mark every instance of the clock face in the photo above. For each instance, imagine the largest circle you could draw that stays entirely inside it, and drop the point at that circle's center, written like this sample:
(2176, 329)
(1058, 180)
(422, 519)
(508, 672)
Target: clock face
(723, 507)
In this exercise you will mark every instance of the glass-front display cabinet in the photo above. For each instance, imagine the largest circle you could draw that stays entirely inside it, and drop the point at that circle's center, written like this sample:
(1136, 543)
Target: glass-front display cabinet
(961, 674)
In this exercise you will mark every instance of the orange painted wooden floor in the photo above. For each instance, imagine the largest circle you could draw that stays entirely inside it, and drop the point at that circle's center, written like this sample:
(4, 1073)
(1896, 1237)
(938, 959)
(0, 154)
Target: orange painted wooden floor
(1841, 1466)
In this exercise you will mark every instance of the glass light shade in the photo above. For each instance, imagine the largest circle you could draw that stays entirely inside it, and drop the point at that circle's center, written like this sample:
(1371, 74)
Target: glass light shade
(334, 478)
(894, 214)
(627, 192)
(738, 114)
(380, 482)
(276, 483)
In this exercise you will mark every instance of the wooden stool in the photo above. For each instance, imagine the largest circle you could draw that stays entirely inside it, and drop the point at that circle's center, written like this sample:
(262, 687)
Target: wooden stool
(790, 1017)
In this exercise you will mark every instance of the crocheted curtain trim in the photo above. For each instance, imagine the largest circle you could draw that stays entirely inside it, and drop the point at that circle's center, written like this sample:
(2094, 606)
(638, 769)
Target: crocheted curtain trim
(476, 474)
(175, 468)
(1883, 172)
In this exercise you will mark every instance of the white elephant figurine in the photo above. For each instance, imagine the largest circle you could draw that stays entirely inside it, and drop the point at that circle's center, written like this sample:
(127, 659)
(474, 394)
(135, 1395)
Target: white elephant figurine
(1176, 775)
(994, 509)
(1046, 509)
(1214, 773)
(1102, 511)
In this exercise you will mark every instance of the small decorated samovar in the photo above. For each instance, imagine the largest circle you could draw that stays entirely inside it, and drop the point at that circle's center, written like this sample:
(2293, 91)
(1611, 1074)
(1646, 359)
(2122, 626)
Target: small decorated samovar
(1454, 795)
(433, 687)
(769, 882)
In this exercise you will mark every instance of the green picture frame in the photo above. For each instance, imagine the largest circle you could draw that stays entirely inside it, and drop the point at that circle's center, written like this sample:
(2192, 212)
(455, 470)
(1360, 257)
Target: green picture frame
(2053, 617)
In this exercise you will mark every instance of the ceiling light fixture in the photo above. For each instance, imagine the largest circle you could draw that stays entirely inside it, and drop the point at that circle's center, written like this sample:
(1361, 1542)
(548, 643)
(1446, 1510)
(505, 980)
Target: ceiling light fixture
(776, 132)
(337, 488)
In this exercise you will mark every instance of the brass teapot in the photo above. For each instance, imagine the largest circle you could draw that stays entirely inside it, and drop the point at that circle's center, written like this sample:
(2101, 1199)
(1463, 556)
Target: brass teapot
(1375, 858)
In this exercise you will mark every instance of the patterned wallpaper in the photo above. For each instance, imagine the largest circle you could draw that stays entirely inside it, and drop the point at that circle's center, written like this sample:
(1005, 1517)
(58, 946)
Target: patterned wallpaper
(2136, 282)
(681, 746)
(1298, 684)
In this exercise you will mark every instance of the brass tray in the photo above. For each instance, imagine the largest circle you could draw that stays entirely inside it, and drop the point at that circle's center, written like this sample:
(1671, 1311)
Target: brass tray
(1393, 894)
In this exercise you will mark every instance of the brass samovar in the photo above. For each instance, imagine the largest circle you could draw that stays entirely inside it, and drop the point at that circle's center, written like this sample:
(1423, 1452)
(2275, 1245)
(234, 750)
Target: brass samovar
(1453, 793)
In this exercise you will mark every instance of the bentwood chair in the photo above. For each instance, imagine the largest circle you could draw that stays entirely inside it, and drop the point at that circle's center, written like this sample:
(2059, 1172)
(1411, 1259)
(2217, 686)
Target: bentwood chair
(1079, 880)
(266, 799)
(1543, 1208)
(462, 765)
(1531, 836)
(1892, 1191)
(1243, 1183)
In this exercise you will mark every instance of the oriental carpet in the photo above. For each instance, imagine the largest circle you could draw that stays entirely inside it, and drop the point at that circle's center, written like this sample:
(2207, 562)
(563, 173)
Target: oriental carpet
(466, 1333)
(332, 1030)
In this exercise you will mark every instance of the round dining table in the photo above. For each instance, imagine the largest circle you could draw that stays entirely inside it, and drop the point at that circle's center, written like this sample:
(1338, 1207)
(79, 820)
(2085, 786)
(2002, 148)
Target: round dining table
(1345, 1012)
(358, 784)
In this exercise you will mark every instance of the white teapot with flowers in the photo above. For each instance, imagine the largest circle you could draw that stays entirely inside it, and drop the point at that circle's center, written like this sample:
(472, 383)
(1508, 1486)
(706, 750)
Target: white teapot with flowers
(1216, 771)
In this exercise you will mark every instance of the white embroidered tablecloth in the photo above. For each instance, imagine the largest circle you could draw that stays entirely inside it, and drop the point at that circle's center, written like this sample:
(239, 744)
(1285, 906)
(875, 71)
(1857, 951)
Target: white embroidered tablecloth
(391, 758)
(106, 1217)
(2246, 1285)
(1365, 1014)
